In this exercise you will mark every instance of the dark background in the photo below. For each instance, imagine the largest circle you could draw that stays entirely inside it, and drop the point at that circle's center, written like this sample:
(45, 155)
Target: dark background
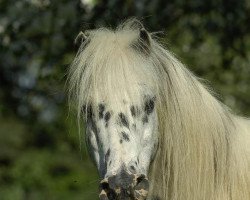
(40, 155)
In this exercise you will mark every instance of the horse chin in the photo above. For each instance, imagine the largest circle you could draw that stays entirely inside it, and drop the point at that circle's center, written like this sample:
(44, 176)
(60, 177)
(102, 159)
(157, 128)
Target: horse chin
(112, 195)
(113, 188)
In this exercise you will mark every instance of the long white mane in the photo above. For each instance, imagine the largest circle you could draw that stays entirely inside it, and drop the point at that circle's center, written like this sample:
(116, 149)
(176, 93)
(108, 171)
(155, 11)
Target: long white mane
(204, 150)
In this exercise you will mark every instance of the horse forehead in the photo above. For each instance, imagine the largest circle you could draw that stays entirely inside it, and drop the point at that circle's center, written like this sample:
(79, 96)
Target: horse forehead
(117, 110)
(125, 105)
(129, 116)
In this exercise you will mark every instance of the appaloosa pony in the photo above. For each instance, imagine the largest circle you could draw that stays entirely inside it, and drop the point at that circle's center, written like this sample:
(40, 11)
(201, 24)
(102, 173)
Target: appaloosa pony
(153, 129)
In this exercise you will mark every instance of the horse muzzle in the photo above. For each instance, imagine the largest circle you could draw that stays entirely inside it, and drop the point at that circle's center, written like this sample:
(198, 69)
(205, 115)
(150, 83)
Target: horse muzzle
(124, 186)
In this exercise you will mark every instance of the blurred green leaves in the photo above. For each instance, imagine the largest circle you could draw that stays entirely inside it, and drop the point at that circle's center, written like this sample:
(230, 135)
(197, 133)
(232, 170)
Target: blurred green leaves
(45, 170)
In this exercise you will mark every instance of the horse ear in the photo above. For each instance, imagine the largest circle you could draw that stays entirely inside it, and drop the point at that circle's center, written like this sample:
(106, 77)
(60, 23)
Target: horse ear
(80, 38)
(144, 37)
(143, 44)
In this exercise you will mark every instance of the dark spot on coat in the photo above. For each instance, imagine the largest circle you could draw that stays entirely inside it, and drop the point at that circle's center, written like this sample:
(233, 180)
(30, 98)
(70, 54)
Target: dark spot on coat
(89, 112)
(123, 120)
(121, 141)
(145, 119)
(107, 155)
(149, 105)
(83, 111)
(101, 110)
(125, 136)
(91, 121)
(107, 117)
(133, 111)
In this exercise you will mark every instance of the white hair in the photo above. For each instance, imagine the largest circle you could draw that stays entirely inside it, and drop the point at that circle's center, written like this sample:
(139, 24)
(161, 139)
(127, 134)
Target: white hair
(204, 150)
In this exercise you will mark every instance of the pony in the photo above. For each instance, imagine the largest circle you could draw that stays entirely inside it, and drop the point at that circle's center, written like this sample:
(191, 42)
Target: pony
(153, 129)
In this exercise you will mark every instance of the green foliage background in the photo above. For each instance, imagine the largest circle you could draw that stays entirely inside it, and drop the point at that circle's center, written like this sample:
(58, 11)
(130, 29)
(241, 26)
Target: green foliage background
(40, 156)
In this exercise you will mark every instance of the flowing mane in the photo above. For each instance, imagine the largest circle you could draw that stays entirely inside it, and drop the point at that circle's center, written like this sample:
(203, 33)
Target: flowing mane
(204, 149)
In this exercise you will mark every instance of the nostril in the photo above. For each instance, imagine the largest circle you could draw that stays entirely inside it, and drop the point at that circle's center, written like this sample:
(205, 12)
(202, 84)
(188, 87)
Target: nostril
(142, 187)
(106, 191)
(140, 179)
(104, 186)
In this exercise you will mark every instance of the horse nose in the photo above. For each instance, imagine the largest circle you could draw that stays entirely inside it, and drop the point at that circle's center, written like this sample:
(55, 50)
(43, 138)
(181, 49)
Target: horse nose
(124, 186)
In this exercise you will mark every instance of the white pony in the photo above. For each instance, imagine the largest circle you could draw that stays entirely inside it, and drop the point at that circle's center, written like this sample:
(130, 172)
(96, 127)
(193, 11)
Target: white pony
(153, 129)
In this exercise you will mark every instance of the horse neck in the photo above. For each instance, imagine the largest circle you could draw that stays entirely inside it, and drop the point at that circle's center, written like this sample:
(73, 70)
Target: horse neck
(194, 136)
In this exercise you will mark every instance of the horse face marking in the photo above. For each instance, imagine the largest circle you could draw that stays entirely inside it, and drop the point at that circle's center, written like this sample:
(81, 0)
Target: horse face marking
(149, 105)
(90, 119)
(107, 155)
(145, 119)
(133, 111)
(89, 112)
(125, 136)
(107, 117)
(116, 146)
(101, 110)
(123, 120)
